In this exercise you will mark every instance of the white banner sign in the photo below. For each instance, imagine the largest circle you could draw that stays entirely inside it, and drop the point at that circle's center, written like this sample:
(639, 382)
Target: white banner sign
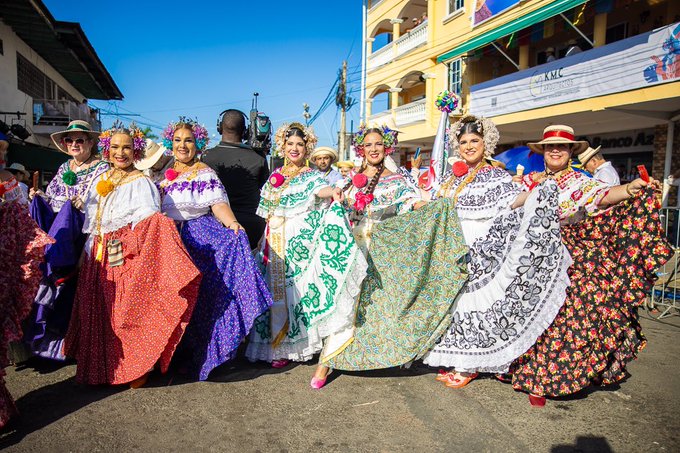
(644, 60)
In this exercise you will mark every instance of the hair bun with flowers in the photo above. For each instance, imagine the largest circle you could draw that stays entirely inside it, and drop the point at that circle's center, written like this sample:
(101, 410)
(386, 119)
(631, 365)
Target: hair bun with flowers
(138, 139)
(199, 132)
(485, 126)
(284, 131)
(389, 138)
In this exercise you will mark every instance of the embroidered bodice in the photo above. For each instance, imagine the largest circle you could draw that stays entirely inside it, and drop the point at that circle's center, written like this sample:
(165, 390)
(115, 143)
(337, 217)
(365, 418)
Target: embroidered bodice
(58, 192)
(135, 199)
(486, 195)
(580, 195)
(295, 196)
(191, 194)
(392, 196)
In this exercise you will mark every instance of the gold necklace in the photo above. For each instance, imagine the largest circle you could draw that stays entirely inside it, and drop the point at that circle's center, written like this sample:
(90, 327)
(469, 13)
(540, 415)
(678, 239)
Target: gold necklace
(446, 187)
(556, 174)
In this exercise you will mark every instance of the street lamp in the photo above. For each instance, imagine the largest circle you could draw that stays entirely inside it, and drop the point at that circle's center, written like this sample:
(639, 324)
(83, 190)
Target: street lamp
(306, 115)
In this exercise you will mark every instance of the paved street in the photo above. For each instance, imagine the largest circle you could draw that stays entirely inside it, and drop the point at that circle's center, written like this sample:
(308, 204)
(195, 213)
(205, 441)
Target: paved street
(255, 408)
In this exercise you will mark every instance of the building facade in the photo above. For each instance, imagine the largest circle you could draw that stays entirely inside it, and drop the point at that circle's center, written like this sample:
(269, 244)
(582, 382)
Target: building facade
(609, 68)
(48, 71)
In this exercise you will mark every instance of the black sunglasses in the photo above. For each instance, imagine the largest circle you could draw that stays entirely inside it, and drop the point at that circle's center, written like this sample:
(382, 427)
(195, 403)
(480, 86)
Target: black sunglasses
(78, 141)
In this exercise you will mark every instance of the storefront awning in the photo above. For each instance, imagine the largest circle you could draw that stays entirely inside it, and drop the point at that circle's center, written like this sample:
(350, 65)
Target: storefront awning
(509, 28)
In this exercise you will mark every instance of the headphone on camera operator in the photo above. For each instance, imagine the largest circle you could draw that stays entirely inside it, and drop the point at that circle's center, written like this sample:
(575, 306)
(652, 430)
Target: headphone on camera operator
(245, 136)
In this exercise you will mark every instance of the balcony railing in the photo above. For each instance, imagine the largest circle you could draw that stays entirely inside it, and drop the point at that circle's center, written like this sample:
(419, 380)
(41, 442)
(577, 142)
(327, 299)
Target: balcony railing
(50, 115)
(408, 41)
(381, 56)
(380, 118)
(410, 113)
(412, 39)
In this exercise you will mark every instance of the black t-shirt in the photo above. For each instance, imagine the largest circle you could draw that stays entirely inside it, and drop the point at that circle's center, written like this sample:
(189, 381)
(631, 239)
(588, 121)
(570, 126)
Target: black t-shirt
(243, 173)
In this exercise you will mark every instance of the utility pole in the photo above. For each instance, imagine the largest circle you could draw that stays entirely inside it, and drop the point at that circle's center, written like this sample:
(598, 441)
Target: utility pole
(341, 102)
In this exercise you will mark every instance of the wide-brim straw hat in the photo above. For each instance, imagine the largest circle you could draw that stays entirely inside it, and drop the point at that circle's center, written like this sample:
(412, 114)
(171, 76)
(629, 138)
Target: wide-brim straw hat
(324, 151)
(558, 134)
(75, 126)
(18, 167)
(345, 164)
(588, 154)
(152, 154)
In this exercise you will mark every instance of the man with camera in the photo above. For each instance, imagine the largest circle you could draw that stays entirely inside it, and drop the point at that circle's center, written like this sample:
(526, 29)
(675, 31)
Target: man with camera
(241, 170)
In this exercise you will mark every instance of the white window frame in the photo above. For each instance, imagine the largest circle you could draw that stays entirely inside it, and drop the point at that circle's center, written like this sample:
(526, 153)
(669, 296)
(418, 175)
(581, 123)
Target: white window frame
(457, 6)
(455, 76)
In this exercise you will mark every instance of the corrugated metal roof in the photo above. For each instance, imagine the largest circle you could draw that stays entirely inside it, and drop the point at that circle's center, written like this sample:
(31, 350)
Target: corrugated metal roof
(61, 44)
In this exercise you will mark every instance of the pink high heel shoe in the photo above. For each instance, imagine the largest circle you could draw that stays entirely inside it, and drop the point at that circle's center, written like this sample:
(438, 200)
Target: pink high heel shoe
(318, 383)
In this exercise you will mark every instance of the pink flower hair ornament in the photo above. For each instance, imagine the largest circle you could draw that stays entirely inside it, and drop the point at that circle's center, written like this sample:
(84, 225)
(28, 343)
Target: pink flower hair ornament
(138, 139)
(389, 139)
(199, 132)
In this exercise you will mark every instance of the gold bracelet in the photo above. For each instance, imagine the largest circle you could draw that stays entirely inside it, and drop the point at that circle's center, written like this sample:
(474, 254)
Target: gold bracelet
(628, 190)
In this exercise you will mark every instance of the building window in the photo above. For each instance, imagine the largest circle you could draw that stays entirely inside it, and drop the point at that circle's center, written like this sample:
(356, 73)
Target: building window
(455, 77)
(455, 5)
(617, 32)
(2, 49)
(33, 81)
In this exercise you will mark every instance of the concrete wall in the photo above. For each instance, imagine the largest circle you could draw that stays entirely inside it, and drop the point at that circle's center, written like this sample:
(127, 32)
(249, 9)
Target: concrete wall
(11, 99)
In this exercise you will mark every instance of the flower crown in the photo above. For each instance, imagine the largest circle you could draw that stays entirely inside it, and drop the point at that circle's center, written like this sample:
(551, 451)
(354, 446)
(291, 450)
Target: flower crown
(199, 132)
(284, 132)
(487, 127)
(389, 137)
(138, 139)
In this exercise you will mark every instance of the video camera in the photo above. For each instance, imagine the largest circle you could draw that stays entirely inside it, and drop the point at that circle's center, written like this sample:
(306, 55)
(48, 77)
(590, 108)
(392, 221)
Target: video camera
(259, 130)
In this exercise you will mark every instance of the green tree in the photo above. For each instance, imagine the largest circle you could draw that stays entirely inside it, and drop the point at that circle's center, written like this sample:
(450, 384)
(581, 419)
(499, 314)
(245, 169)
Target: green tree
(148, 133)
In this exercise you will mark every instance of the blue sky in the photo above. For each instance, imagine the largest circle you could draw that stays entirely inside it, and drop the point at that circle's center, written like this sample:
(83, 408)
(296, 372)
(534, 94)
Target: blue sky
(198, 58)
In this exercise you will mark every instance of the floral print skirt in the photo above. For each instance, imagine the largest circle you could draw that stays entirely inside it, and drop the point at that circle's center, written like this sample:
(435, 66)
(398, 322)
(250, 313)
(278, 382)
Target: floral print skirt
(22, 243)
(597, 332)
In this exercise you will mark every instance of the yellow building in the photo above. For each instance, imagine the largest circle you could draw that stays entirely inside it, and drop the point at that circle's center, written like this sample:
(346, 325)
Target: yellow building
(614, 73)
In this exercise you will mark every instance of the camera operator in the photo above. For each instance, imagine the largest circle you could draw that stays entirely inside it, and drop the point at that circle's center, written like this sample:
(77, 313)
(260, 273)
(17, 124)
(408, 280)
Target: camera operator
(242, 171)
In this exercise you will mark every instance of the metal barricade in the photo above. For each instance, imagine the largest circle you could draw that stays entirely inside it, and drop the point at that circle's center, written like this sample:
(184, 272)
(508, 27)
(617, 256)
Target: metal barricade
(664, 299)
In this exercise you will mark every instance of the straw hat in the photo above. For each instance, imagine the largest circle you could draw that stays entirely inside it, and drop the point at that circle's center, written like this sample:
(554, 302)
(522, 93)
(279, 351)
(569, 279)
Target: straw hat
(16, 167)
(324, 151)
(74, 126)
(345, 164)
(550, 49)
(556, 134)
(152, 154)
(588, 154)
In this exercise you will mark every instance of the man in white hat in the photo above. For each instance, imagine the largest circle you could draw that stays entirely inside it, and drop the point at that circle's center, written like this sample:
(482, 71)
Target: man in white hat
(21, 175)
(323, 157)
(155, 161)
(594, 163)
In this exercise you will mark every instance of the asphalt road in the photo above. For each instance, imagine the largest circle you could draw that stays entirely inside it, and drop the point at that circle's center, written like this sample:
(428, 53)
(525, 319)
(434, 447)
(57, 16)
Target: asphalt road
(251, 407)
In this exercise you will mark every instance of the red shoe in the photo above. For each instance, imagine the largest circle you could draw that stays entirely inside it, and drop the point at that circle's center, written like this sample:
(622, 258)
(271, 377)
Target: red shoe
(444, 376)
(536, 401)
(280, 363)
(458, 381)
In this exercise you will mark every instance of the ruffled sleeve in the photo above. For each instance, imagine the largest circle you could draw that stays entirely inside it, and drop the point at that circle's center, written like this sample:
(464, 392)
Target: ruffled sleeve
(300, 195)
(191, 195)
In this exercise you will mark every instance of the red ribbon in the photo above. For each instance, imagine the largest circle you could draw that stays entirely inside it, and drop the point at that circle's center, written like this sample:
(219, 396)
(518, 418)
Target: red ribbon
(562, 134)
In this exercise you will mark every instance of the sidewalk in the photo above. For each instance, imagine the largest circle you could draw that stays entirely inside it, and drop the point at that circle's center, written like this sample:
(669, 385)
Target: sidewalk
(256, 408)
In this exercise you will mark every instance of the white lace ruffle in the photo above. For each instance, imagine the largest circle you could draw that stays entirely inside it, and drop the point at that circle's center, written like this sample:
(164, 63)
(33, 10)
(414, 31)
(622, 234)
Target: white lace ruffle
(128, 204)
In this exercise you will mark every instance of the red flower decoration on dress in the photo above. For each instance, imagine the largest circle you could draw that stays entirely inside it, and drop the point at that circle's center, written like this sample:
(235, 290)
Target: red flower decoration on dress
(171, 174)
(363, 200)
(576, 196)
(360, 180)
(276, 179)
(460, 168)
